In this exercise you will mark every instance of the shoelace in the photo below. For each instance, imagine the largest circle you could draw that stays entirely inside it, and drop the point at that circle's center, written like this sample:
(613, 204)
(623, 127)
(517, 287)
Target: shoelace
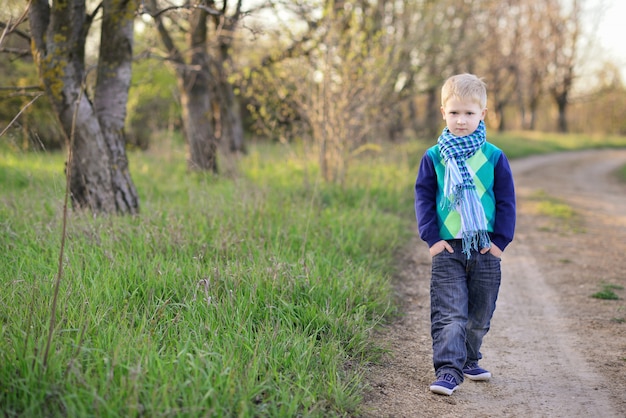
(448, 378)
(471, 366)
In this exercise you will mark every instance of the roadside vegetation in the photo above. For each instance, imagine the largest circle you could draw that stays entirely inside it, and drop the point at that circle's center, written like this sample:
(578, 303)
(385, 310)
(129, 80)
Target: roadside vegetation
(524, 143)
(251, 294)
(561, 217)
(608, 292)
(621, 173)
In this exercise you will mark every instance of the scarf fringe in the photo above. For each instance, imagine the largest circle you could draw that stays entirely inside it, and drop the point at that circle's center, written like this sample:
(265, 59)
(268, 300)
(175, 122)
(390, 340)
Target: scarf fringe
(474, 225)
(475, 240)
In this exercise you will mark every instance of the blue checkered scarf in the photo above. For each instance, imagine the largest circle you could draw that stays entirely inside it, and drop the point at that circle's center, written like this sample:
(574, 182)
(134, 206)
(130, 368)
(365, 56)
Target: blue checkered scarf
(459, 189)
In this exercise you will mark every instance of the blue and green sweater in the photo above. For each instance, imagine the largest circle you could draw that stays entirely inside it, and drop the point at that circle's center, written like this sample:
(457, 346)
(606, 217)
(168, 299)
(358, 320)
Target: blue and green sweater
(494, 183)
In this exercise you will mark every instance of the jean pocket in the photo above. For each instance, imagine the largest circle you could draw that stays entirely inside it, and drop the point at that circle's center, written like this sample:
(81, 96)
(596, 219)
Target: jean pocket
(492, 255)
(439, 253)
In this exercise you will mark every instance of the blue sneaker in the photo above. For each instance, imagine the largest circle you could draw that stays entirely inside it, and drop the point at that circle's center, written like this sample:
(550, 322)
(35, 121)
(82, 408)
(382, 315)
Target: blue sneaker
(444, 385)
(474, 372)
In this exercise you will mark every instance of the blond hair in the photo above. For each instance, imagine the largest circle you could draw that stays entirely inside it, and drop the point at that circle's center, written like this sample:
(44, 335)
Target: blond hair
(465, 87)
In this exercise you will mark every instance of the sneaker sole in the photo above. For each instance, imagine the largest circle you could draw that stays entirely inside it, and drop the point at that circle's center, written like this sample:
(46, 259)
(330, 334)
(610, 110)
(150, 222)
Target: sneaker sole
(478, 377)
(440, 390)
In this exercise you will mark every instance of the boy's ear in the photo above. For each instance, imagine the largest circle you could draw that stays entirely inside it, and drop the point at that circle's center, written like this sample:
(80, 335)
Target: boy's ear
(483, 114)
(443, 112)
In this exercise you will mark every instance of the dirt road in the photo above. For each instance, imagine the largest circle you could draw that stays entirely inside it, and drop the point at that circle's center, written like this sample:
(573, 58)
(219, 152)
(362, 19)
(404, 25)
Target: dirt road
(553, 350)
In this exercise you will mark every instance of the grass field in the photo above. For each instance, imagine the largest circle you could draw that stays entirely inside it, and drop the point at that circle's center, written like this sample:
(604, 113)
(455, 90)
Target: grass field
(253, 294)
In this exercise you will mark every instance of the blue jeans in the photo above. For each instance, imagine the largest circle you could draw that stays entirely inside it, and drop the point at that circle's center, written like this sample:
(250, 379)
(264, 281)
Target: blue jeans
(463, 295)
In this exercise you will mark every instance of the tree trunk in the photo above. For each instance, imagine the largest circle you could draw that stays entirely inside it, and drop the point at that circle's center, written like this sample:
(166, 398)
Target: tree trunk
(114, 77)
(533, 107)
(561, 102)
(90, 176)
(59, 34)
(228, 107)
(194, 83)
(196, 108)
(231, 123)
(433, 115)
(500, 113)
(196, 98)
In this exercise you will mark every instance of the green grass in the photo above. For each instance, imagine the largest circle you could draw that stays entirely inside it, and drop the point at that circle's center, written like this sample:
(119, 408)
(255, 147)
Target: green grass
(608, 292)
(253, 294)
(557, 210)
(621, 173)
(249, 296)
(525, 143)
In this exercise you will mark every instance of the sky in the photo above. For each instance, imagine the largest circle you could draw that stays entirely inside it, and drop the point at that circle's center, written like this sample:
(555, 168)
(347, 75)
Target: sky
(611, 32)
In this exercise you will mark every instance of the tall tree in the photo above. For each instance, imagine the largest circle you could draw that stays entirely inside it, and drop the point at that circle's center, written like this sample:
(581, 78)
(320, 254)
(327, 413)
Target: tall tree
(231, 126)
(500, 55)
(210, 110)
(98, 169)
(535, 61)
(565, 32)
(447, 43)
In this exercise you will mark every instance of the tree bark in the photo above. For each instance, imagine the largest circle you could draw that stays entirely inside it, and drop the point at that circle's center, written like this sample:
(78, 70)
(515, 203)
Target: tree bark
(59, 33)
(232, 133)
(194, 84)
(196, 98)
(114, 78)
(433, 114)
(566, 32)
(196, 108)
(231, 124)
(561, 101)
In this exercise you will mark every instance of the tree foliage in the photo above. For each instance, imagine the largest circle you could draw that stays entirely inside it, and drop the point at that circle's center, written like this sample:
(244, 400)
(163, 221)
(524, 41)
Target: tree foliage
(335, 96)
(526, 50)
(342, 74)
(30, 123)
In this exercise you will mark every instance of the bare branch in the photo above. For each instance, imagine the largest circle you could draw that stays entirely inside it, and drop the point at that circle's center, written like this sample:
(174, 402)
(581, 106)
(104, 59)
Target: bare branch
(17, 51)
(172, 50)
(20, 89)
(19, 113)
(155, 14)
(9, 28)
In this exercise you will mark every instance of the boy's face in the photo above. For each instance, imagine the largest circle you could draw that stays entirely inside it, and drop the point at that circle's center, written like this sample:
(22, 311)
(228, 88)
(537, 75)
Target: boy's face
(462, 116)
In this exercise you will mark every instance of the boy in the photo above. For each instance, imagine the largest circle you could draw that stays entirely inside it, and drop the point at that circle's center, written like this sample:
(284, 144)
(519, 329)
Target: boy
(465, 210)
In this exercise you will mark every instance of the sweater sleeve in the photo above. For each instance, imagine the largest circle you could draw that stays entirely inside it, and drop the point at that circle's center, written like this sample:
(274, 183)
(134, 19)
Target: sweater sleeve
(426, 201)
(504, 192)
